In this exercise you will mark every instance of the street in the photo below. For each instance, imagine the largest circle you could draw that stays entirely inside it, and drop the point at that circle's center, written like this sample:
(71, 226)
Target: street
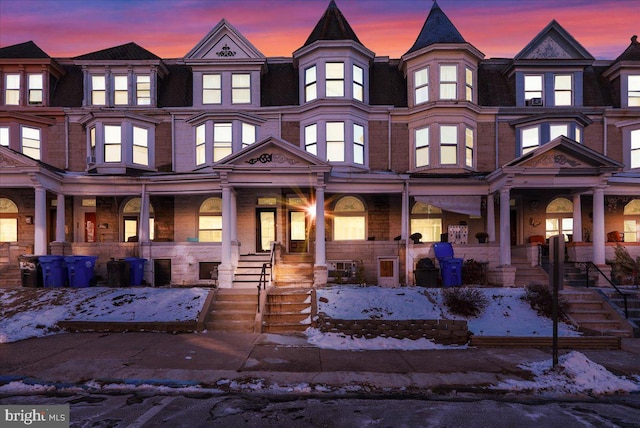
(161, 408)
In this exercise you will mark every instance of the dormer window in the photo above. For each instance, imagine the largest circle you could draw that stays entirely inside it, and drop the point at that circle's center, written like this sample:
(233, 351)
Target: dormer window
(334, 72)
(633, 91)
(12, 89)
(241, 88)
(448, 82)
(120, 90)
(563, 90)
(421, 82)
(35, 88)
(211, 89)
(143, 89)
(310, 84)
(532, 86)
(98, 90)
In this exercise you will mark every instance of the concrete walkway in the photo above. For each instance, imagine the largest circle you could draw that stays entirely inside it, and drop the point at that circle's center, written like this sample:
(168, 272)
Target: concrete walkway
(211, 358)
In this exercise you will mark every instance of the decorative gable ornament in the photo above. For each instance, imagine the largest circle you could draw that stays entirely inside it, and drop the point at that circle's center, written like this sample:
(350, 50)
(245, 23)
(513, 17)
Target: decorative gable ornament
(224, 42)
(554, 42)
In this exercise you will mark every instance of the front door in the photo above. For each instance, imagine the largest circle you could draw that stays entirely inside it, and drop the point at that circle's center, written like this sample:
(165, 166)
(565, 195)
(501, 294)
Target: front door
(266, 228)
(298, 232)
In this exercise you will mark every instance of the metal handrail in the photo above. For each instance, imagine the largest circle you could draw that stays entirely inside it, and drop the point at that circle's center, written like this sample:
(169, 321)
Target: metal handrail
(588, 265)
(262, 282)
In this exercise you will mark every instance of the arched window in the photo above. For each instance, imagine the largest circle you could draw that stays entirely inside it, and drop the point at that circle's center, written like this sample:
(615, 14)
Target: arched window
(426, 220)
(210, 220)
(632, 221)
(131, 217)
(560, 217)
(349, 219)
(8, 220)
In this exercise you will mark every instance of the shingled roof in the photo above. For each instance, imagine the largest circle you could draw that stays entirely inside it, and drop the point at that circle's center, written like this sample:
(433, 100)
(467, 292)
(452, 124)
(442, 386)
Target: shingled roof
(127, 52)
(23, 50)
(436, 29)
(632, 53)
(332, 26)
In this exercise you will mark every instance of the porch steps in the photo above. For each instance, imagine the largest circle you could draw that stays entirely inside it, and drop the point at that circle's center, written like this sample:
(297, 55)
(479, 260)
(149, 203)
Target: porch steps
(233, 310)
(248, 271)
(294, 270)
(588, 310)
(527, 274)
(633, 305)
(10, 277)
(576, 277)
(287, 310)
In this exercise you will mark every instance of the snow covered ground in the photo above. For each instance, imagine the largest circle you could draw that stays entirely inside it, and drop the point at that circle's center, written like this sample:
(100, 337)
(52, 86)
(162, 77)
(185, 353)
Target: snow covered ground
(28, 313)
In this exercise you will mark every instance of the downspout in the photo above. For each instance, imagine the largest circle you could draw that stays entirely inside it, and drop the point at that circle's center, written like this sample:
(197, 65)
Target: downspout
(173, 141)
(66, 141)
(497, 165)
(280, 125)
(405, 233)
(389, 142)
(604, 137)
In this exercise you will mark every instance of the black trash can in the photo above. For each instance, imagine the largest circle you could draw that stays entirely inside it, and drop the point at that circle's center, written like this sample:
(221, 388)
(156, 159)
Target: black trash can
(118, 273)
(426, 274)
(30, 270)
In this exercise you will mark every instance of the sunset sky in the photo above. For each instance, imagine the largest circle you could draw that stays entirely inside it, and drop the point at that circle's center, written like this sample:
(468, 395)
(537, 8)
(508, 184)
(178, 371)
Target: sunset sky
(170, 28)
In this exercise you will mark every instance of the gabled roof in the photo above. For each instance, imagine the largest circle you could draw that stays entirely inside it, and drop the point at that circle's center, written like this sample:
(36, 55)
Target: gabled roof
(632, 53)
(332, 26)
(437, 28)
(127, 52)
(554, 42)
(26, 50)
(224, 42)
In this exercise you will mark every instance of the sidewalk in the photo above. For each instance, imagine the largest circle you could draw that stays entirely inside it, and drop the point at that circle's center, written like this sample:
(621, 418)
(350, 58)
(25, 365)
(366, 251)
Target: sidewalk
(215, 358)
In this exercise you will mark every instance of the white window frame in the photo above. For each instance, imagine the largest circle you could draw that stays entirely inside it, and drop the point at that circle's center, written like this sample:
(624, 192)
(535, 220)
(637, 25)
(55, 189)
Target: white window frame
(211, 88)
(560, 90)
(222, 140)
(422, 155)
(140, 146)
(533, 86)
(633, 90)
(99, 90)
(469, 77)
(634, 149)
(201, 144)
(210, 220)
(120, 89)
(310, 83)
(114, 145)
(554, 130)
(334, 79)
(143, 89)
(358, 144)
(358, 82)
(30, 146)
(249, 132)
(446, 84)
(448, 143)
(527, 132)
(35, 88)
(421, 85)
(5, 136)
(337, 141)
(12, 89)
(311, 139)
(469, 147)
(241, 88)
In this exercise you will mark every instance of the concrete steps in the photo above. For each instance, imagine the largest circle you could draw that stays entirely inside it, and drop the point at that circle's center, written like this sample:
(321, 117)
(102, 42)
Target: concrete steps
(233, 310)
(589, 311)
(249, 270)
(527, 274)
(287, 310)
(297, 275)
(633, 305)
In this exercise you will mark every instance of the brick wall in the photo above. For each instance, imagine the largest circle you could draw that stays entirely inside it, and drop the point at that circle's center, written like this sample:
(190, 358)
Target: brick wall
(163, 150)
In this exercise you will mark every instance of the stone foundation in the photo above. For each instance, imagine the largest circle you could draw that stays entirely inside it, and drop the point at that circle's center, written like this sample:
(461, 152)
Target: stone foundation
(445, 332)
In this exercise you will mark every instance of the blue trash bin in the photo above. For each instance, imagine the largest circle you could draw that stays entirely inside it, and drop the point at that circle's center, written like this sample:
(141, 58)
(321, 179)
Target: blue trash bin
(136, 272)
(80, 270)
(450, 267)
(54, 272)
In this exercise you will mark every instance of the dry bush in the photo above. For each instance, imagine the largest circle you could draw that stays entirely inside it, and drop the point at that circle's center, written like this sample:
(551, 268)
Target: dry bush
(465, 301)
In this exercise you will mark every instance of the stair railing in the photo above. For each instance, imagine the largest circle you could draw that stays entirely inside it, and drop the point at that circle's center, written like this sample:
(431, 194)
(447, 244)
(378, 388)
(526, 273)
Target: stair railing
(262, 282)
(590, 265)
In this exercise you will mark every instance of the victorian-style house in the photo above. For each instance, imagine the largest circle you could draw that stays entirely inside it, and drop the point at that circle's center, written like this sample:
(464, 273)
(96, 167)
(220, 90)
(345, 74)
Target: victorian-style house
(331, 159)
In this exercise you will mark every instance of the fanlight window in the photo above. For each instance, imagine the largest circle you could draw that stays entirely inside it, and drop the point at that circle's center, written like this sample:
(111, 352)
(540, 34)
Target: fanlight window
(559, 218)
(8, 220)
(131, 217)
(210, 221)
(349, 219)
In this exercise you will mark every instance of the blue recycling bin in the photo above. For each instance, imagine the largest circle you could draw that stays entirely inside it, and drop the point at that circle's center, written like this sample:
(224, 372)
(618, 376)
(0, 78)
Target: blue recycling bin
(80, 270)
(54, 271)
(136, 272)
(450, 267)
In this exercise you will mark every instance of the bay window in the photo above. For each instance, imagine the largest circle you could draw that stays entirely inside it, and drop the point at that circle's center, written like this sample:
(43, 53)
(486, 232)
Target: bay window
(248, 134)
(31, 141)
(201, 156)
(310, 84)
(448, 144)
(468, 84)
(633, 91)
(529, 139)
(4, 136)
(222, 140)
(112, 143)
(469, 147)
(311, 139)
(448, 82)
(422, 147)
(214, 141)
(140, 146)
(635, 149)
(335, 141)
(358, 144)
(421, 85)
(334, 74)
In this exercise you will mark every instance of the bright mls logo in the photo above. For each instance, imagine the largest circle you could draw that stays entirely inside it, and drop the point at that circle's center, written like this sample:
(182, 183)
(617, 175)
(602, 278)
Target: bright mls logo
(35, 416)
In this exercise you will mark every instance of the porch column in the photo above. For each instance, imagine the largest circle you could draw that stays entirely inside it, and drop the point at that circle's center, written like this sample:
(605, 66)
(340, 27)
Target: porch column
(234, 217)
(143, 227)
(60, 235)
(40, 222)
(491, 218)
(598, 226)
(320, 244)
(577, 219)
(227, 231)
(505, 228)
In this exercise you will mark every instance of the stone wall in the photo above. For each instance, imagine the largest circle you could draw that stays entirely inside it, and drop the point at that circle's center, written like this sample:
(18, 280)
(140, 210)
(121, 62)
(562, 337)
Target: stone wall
(445, 332)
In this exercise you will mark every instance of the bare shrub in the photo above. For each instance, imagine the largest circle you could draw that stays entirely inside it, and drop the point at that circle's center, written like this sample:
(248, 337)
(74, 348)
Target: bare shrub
(465, 301)
(540, 298)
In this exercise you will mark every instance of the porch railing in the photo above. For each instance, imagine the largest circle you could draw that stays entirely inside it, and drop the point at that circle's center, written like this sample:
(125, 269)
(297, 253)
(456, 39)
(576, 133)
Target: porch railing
(591, 266)
(262, 282)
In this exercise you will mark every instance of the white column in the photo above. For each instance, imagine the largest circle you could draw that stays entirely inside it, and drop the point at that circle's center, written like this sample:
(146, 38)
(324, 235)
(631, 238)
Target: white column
(40, 222)
(234, 217)
(60, 235)
(491, 218)
(505, 228)
(598, 237)
(321, 259)
(143, 227)
(227, 230)
(577, 219)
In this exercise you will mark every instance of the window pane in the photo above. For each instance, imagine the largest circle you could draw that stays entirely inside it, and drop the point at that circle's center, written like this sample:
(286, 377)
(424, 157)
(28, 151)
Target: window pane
(558, 130)
(447, 91)
(334, 79)
(140, 146)
(448, 155)
(311, 139)
(422, 95)
(448, 134)
(469, 147)
(349, 228)
(358, 144)
(4, 136)
(335, 70)
(422, 147)
(248, 134)
(211, 89)
(35, 88)
(8, 230)
(241, 88)
(241, 96)
(448, 82)
(12, 89)
(448, 73)
(222, 137)
(429, 228)
(358, 83)
(530, 139)
(335, 141)
(143, 89)
(120, 94)
(630, 231)
(532, 86)
(31, 142)
(422, 77)
(311, 92)
(562, 86)
(112, 143)
(210, 222)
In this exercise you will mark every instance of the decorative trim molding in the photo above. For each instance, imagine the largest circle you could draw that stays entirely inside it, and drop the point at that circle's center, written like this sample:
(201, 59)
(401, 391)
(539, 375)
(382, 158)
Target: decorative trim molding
(272, 158)
(226, 52)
